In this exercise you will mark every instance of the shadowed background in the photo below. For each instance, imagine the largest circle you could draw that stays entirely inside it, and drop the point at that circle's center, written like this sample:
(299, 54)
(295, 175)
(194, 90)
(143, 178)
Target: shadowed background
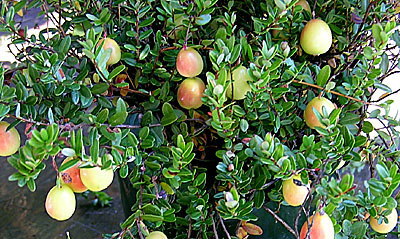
(23, 216)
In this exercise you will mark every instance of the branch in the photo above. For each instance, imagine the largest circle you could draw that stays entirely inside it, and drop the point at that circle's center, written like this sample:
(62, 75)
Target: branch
(267, 185)
(131, 90)
(29, 121)
(309, 198)
(13, 30)
(355, 38)
(334, 92)
(381, 98)
(223, 226)
(131, 126)
(139, 230)
(309, 225)
(190, 228)
(280, 220)
(73, 126)
(187, 33)
(157, 58)
(214, 228)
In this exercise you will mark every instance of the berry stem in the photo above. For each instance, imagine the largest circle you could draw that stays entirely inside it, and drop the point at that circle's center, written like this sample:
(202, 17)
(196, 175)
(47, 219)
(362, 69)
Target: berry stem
(187, 34)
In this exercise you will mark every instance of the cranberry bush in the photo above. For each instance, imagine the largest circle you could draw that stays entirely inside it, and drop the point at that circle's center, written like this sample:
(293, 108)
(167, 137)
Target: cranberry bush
(213, 169)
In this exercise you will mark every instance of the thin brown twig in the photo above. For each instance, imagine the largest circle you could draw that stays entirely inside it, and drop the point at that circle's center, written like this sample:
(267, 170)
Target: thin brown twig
(187, 34)
(27, 120)
(223, 226)
(280, 220)
(333, 92)
(266, 185)
(82, 124)
(387, 95)
(24, 38)
(130, 233)
(137, 34)
(139, 230)
(54, 164)
(158, 56)
(383, 140)
(355, 38)
(309, 225)
(309, 198)
(121, 234)
(313, 10)
(133, 91)
(214, 228)
(204, 126)
(59, 13)
(190, 228)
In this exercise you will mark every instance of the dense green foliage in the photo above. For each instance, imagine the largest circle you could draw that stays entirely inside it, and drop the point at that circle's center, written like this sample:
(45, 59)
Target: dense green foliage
(192, 169)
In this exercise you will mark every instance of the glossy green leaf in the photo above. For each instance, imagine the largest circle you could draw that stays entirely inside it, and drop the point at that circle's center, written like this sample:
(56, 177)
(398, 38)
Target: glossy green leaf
(169, 115)
(323, 75)
(115, 72)
(68, 165)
